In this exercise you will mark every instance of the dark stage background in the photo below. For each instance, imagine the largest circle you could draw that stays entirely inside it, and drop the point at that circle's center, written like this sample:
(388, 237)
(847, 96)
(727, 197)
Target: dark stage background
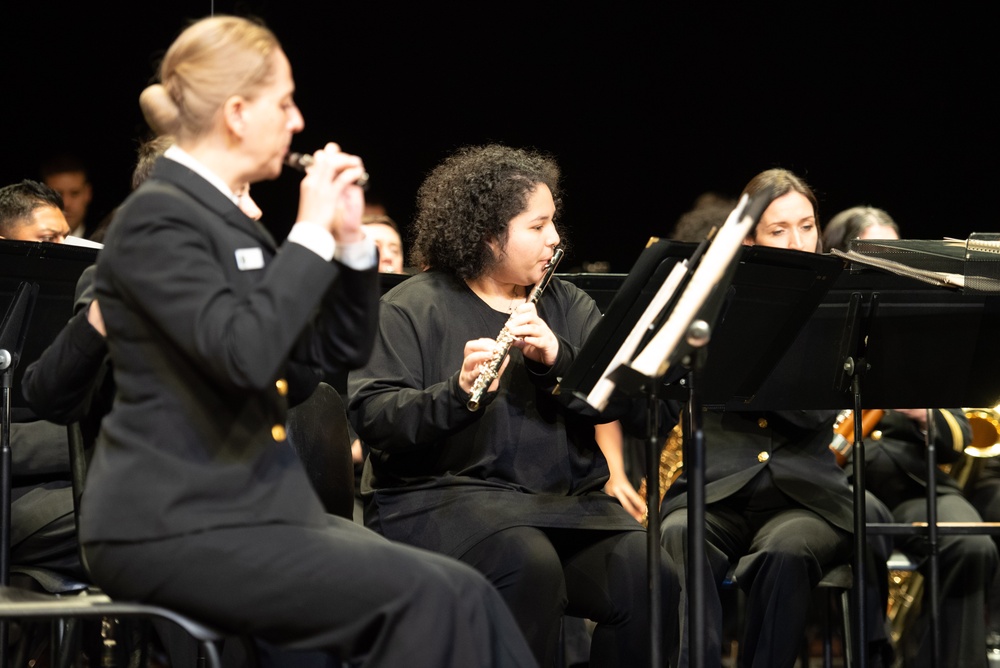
(645, 105)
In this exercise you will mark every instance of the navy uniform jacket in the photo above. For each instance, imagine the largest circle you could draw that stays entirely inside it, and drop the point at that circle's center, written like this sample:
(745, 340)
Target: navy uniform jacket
(212, 330)
(793, 445)
(896, 455)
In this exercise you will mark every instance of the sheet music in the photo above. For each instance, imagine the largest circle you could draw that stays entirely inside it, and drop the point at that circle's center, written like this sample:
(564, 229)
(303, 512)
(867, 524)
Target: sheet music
(599, 395)
(944, 279)
(653, 361)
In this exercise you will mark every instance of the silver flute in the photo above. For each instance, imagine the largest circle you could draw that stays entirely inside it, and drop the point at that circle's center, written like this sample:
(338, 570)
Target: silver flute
(300, 161)
(488, 371)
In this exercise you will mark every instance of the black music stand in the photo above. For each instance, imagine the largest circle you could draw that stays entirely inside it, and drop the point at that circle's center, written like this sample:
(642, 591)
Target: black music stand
(768, 298)
(875, 341)
(626, 309)
(760, 306)
(627, 349)
(56, 268)
(38, 281)
(13, 332)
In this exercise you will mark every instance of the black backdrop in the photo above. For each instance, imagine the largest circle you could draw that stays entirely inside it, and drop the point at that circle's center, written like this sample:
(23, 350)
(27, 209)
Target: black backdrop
(644, 104)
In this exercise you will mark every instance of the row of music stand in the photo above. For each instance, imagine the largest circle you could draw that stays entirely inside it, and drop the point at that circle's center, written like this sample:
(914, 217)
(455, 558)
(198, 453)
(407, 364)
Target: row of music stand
(791, 330)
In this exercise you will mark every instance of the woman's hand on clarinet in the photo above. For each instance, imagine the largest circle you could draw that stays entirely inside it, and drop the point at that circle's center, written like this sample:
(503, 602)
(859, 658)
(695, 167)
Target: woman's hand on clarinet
(533, 336)
(329, 196)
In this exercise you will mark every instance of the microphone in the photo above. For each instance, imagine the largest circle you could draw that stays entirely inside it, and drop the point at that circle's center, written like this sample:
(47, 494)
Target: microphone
(299, 162)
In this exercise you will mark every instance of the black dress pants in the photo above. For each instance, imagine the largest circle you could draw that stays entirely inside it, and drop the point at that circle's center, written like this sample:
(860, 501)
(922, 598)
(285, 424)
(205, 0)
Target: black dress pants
(340, 588)
(544, 573)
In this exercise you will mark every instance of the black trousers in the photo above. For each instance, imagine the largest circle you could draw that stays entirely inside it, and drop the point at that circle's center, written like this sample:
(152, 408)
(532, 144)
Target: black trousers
(780, 554)
(341, 588)
(543, 574)
(966, 568)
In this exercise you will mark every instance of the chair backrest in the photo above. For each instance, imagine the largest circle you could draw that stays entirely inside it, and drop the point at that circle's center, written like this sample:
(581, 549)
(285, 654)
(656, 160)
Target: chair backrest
(317, 429)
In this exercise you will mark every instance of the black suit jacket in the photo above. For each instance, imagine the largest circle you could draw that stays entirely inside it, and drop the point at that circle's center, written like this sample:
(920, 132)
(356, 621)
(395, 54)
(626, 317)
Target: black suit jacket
(793, 445)
(896, 455)
(212, 330)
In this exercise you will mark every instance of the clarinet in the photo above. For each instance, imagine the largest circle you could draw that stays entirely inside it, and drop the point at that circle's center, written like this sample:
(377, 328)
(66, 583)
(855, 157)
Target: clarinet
(488, 371)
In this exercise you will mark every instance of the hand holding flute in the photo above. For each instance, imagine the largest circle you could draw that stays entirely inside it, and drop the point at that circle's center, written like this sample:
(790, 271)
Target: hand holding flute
(525, 330)
(329, 193)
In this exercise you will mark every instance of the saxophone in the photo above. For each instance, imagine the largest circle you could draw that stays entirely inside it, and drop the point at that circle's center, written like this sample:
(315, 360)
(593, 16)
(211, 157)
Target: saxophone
(490, 370)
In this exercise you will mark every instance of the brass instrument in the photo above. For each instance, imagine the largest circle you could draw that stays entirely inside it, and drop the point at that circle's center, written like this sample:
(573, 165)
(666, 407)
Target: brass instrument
(490, 370)
(985, 423)
(671, 467)
(906, 591)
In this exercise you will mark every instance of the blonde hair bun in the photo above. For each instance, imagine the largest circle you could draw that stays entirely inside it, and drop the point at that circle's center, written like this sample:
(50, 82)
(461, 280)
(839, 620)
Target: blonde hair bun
(159, 109)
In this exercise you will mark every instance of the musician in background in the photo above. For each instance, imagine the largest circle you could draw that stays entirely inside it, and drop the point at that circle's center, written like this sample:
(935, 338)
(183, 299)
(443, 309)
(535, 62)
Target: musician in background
(515, 487)
(779, 509)
(896, 472)
(858, 222)
(383, 230)
(66, 174)
(194, 498)
(32, 211)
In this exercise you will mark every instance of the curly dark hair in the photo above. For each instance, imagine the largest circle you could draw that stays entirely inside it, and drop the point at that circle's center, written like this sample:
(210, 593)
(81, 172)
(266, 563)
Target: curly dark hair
(469, 199)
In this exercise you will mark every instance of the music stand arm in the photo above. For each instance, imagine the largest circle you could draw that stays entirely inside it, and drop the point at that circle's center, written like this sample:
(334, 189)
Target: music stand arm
(6, 474)
(932, 540)
(860, 525)
(653, 526)
(6, 466)
(694, 458)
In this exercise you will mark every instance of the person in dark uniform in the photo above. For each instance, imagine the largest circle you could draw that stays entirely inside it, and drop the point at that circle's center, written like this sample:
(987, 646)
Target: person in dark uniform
(896, 472)
(779, 509)
(194, 498)
(515, 487)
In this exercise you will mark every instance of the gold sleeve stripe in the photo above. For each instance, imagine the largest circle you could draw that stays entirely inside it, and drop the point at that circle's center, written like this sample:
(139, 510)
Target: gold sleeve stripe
(957, 442)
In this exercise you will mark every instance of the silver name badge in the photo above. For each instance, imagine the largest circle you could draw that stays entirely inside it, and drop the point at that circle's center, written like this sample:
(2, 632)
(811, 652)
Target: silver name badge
(249, 258)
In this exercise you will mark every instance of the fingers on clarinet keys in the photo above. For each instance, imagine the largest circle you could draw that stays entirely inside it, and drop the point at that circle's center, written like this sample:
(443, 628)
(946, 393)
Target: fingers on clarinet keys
(300, 161)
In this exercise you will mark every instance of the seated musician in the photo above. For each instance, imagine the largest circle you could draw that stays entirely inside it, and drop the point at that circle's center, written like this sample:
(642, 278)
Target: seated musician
(43, 526)
(515, 487)
(32, 211)
(896, 472)
(779, 509)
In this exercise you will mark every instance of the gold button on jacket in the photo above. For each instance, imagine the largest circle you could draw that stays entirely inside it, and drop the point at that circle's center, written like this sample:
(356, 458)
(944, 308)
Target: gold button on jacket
(762, 423)
(282, 385)
(763, 457)
(278, 433)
